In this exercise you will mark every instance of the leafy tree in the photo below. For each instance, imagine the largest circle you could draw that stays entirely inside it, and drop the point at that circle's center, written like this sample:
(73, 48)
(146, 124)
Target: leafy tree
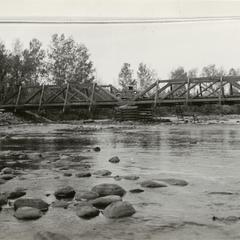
(234, 72)
(125, 77)
(69, 61)
(212, 71)
(192, 73)
(4, 68)
(178, 73)
(26, 65)
(145, 76)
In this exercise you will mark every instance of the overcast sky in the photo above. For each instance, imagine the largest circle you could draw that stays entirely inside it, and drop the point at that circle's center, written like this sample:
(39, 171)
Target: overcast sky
(161, 46)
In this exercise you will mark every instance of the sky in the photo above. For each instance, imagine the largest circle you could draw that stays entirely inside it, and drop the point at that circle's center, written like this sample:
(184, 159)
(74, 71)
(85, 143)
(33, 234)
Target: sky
(162, 46)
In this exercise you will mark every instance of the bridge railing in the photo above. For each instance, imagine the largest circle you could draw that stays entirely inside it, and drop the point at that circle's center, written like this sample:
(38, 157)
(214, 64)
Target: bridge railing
(190, 89)
(68, 95)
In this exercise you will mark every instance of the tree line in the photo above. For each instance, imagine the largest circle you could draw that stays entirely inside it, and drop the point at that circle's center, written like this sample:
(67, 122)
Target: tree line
(146, 76)
(64, 60)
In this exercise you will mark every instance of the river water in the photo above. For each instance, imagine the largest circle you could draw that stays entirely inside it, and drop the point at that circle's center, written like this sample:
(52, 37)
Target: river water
(206, 156)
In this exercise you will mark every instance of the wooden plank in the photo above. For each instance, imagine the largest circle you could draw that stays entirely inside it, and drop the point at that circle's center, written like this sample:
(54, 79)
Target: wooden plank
(200, 89)
(41, 98)
(206, 88)
(145, 91)
(52, 98)
(173, 91)
(33, 96)
(82, 94)
(161, 90)
(156, 94)
(188, 90)
(216, 90)
(92, 97)
(108, 93)
(65, 99)
(18, 97)
(230, 89)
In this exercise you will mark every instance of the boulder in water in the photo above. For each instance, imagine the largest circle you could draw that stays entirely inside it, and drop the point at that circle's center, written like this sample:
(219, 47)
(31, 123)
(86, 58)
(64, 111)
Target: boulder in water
(97, 149)
(136, 190)
(83, 174)
(106, 189)
(175, 182)
(131, 177)
(27, 213)
(31, 202)
(102, 172)
(114, 159)
(17, 193)
(119, 209)
(87, 211)
(65, 192)
(103, 202)
(86, 196)
(3, 199)
(60, 204)
(7, 176)
(7, 170)
(152, 184)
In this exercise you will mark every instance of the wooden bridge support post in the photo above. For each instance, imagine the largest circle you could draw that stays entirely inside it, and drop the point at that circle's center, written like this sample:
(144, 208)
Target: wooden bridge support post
(41, 98)
(171, 89)
(92, 97)
(156, 94)
(200, 89)
(65, 99)
(221, 92)
(18, 97)
(230, 89)
(188, 90)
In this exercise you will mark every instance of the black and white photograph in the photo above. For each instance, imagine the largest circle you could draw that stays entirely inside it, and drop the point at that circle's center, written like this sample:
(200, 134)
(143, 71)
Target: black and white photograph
(119, 120)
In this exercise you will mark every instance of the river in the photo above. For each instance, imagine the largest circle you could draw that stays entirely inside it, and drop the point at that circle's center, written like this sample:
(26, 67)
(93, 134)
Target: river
(206, 156)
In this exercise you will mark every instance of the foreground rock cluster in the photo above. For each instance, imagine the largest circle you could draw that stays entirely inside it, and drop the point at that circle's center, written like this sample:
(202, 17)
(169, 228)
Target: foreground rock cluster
(105, 199)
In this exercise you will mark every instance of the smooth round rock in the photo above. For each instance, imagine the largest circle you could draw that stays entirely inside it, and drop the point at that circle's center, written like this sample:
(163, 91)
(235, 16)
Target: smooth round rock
(2, 181)
(97, 149)
(106, 189)
(31, 202)
(152, 184)
(67, 174)
(102, 172)
(83, 174)
(103, 202)
(7, 176)
(87, 211)
(34, 156)
(175, 182)
(28, 213)
(17, 193)
(65, 192)
(114, 159)
(49, 236)
(60, 204)
(119, 209)
(86, 196)
(136, 190)
(3, 199)
(131, 177)
(7, 170)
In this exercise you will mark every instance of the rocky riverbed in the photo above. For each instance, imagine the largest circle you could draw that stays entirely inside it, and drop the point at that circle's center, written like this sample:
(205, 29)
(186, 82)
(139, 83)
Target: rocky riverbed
(119, 181)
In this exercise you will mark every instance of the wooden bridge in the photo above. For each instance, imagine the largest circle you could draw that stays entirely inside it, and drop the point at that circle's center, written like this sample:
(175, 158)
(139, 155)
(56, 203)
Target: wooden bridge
(217, 90)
